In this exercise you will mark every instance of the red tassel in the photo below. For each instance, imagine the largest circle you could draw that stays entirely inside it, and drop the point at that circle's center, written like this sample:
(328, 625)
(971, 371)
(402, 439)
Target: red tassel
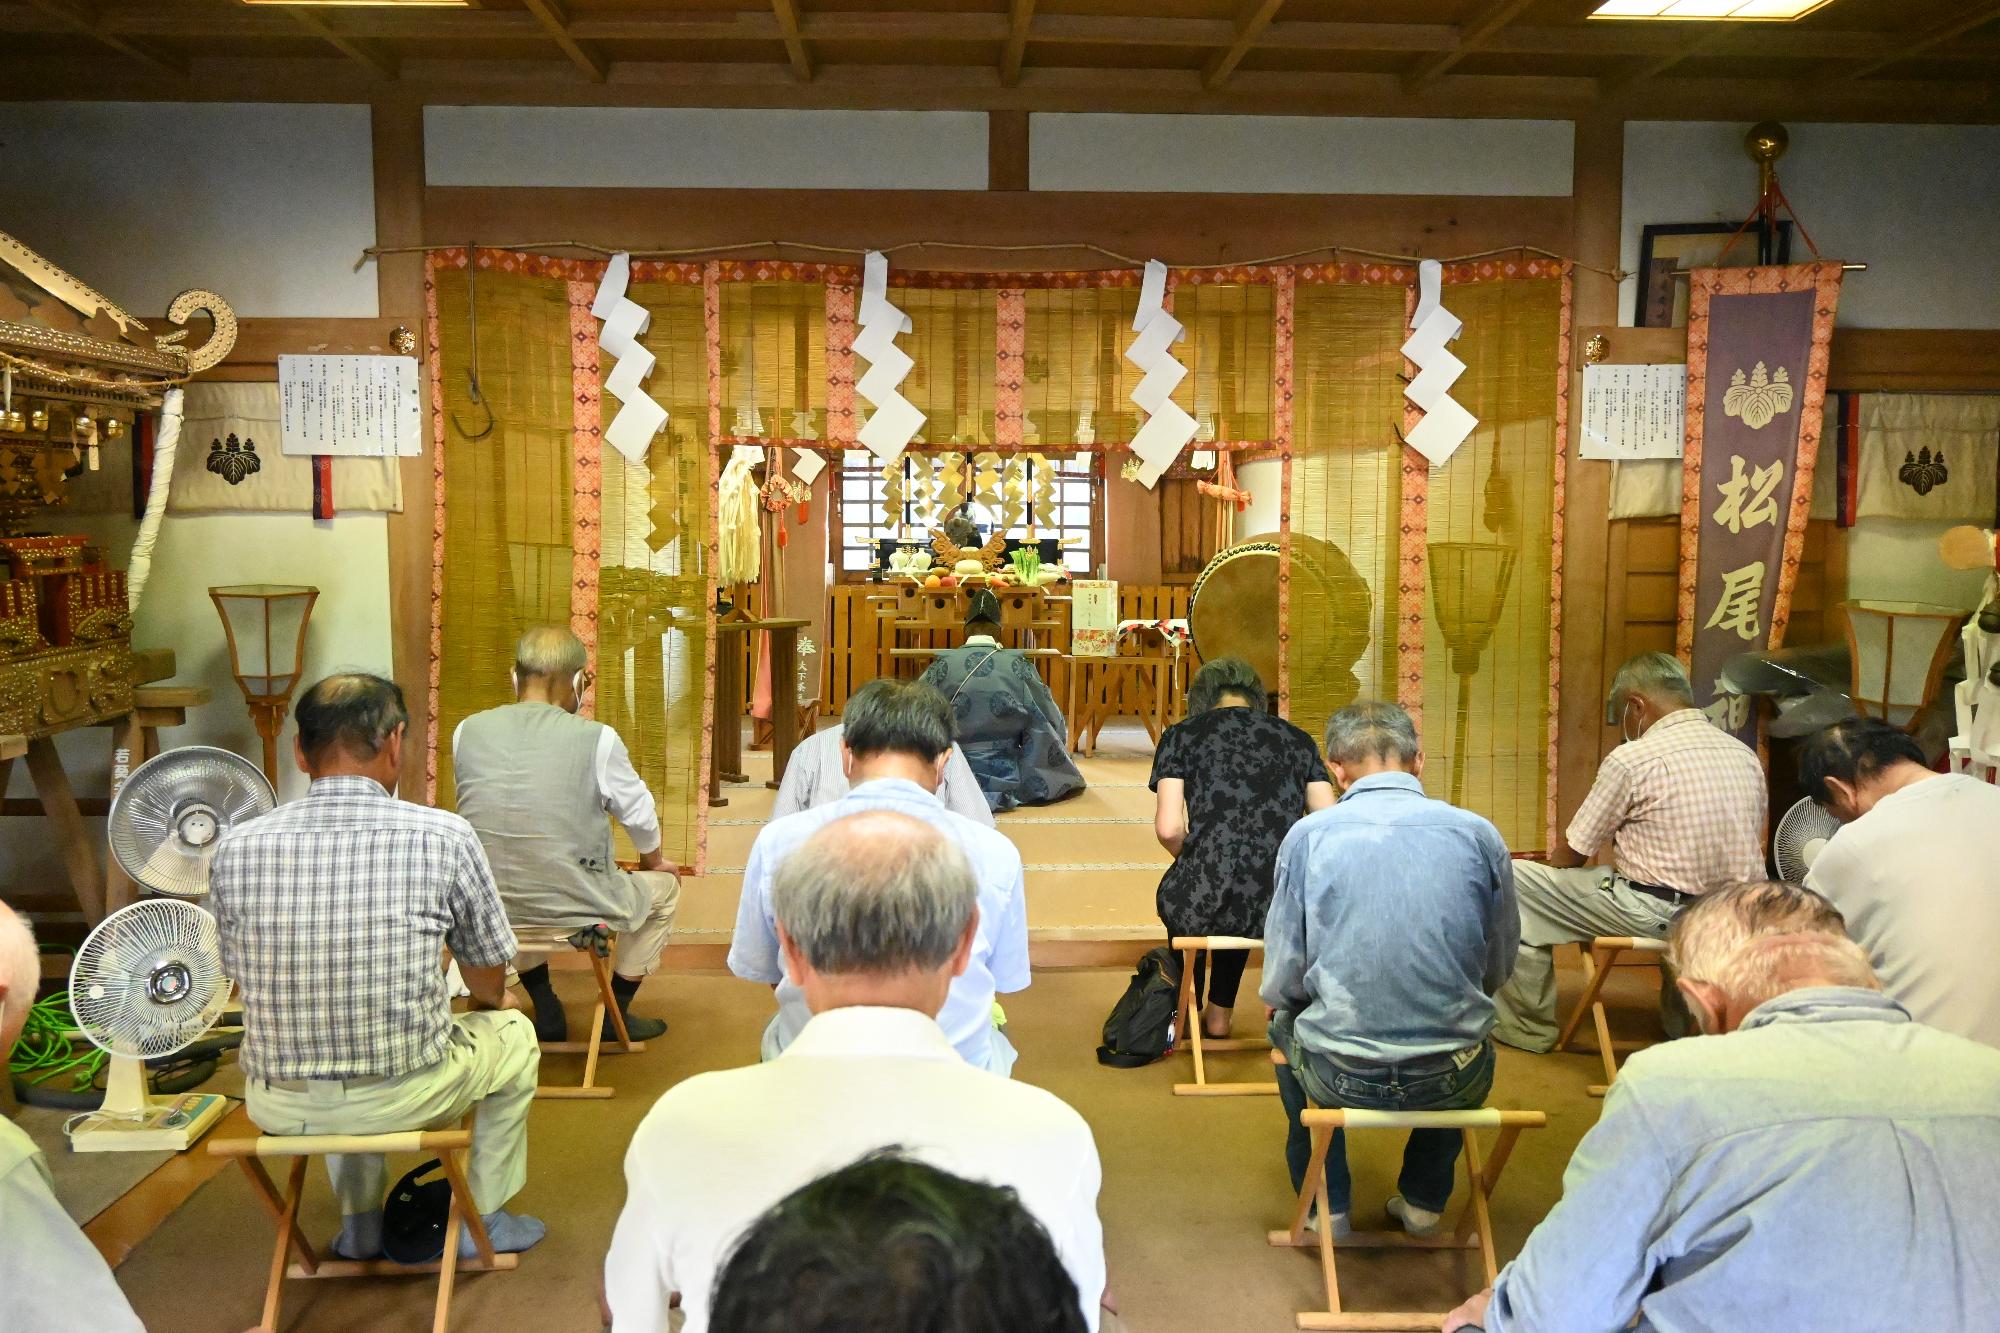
(784, 537)
(805, 511)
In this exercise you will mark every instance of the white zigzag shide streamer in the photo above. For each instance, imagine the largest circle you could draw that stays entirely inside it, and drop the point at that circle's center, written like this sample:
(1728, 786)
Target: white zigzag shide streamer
(639, 417)
(894, 420)
(1168, 427)
(1446, 423)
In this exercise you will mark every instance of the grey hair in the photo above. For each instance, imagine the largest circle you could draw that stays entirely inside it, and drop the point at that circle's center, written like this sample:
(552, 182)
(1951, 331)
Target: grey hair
(1373, 729)
(1225, 675)
(1653, 676)
(876, 892)
(1757, 940)
(549, 650)
(20, 965)
(899, 717)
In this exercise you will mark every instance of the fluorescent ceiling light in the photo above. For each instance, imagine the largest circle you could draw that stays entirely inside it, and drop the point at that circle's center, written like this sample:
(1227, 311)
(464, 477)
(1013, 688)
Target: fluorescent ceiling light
(1695, 10)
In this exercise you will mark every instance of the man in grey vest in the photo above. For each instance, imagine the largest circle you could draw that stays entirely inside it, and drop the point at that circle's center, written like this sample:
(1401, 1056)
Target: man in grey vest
(536, 781)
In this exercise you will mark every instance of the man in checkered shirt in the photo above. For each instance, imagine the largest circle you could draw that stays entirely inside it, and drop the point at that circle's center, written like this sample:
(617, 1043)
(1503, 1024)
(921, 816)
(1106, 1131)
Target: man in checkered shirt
(334, 913)
(1682, 803)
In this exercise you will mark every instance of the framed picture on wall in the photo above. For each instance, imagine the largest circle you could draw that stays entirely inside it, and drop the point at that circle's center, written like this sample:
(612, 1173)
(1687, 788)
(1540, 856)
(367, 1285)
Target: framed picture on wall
(1667, 249)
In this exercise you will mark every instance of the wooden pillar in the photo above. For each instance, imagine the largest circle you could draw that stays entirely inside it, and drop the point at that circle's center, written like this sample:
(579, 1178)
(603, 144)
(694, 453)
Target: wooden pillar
(1006, 150)
(398, 134)
(1598, 188)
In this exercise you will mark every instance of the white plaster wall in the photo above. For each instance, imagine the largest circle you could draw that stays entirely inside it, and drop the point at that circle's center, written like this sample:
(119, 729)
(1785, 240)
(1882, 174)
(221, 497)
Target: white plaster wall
(1299, 154)
(269, 204)
(705, 149)
(1916, 203)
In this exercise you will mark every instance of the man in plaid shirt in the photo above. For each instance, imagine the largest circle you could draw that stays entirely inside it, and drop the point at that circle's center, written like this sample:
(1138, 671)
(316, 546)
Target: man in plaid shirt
(1682, 804)
(334, 913)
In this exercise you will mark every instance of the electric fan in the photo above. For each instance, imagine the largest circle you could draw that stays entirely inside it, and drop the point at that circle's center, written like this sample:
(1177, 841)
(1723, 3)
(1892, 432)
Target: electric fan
(146, 983)
(169, 814)
(1802, 834)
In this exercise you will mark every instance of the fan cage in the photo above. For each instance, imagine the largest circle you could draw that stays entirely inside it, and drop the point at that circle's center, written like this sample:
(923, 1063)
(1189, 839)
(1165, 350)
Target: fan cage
(1805, 821)
(144, 833)
(148, 981)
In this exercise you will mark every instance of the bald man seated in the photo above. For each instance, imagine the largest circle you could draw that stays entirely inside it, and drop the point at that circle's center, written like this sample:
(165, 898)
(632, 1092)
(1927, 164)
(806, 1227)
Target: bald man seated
(536, 782)
(876, 914)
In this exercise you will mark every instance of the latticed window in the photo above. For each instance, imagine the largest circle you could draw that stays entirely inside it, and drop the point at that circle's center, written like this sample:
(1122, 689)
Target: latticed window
(1072, 513)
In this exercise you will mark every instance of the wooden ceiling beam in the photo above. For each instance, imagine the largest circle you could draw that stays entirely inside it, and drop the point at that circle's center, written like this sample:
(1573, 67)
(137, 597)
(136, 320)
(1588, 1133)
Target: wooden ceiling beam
(1471, 35)
(555, 22)
(177, 18)
(370, 59)
(1020, 18)
(787, 14)
(73, 18)
(1652, 68)
(1250, 25)
(1963, 22)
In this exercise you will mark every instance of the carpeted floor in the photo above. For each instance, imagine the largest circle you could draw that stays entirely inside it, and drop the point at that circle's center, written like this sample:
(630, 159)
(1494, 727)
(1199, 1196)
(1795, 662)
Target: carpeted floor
(1191, 1185)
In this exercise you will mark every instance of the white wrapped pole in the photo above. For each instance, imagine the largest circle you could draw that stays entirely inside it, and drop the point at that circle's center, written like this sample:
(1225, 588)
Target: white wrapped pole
(164, 449)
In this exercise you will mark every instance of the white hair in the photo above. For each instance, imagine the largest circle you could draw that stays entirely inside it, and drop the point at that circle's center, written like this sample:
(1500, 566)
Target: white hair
(549, 650)
(20, 965)
(1658, 676)
(876, 892)
(1761, 939)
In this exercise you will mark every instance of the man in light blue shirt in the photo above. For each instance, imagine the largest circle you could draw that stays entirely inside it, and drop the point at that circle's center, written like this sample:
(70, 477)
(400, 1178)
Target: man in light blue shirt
(1820, 1161)
(895, 743)
(1393, 924)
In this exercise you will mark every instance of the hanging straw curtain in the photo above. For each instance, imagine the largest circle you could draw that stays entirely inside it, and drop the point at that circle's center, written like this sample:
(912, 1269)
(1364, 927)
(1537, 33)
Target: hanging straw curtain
(506, 547)
(1229, 355)
(774, 360)
(1346, 366)
(954, 338)
(653, 612)
(1489, 552)
(1078, 384)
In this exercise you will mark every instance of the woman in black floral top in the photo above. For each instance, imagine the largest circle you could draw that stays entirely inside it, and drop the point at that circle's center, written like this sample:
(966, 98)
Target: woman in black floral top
(1230, 782)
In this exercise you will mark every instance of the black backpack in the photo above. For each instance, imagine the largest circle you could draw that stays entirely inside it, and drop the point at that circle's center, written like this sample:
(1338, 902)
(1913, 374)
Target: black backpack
(1141, 1027)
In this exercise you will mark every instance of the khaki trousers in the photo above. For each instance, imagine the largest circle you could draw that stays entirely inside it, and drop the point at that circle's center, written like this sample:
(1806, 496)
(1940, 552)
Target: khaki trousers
(1564, 907)
(639, 948)
(490, 1066)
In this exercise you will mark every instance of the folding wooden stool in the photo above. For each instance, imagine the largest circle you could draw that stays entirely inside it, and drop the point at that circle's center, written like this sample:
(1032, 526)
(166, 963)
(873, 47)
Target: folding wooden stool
(1475, 1221)
(563, 954)
(450, 1147)
(1189, 1020)
(1598, 961)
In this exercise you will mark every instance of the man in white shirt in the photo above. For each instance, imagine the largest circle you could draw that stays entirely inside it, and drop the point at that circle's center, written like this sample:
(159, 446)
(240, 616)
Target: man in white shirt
(1915, 869)
(51, 1278)
(536, 781)
(817, 775)
(895, 740)
(877, 914)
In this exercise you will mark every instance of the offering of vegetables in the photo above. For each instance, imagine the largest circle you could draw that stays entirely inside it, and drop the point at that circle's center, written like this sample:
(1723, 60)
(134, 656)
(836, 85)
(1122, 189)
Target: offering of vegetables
(1027, 563)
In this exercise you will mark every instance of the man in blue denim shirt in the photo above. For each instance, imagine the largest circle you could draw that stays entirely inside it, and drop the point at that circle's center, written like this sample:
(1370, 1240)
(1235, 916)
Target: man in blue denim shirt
(1393, 923)
(1819, 1161)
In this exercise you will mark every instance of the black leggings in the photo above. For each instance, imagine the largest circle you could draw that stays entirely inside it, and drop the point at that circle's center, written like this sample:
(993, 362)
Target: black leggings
(1229, 965)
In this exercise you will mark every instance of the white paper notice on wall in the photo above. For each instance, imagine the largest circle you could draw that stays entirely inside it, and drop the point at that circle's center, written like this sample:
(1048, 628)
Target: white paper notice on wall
(350, 406)
(1632, 412)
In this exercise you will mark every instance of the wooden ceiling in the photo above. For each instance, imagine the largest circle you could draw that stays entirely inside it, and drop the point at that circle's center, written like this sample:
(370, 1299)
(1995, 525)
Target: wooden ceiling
(1873, 59)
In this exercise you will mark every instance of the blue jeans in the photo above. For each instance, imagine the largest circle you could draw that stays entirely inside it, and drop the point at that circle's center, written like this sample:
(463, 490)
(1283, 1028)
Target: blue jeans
(1434, 1083)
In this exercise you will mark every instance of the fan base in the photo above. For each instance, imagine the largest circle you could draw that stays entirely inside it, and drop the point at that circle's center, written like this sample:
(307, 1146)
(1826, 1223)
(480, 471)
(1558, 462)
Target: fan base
(169, 1124)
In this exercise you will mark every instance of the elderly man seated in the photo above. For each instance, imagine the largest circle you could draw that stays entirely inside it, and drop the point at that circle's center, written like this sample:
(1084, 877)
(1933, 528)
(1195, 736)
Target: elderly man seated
(51, 1279)
(894, 745)
(1820, 1161)
(535, 780)
(877, 913)
(1681, 803)
(334, 913)
(1915, 870)
(818, 775)
(1392, 923)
